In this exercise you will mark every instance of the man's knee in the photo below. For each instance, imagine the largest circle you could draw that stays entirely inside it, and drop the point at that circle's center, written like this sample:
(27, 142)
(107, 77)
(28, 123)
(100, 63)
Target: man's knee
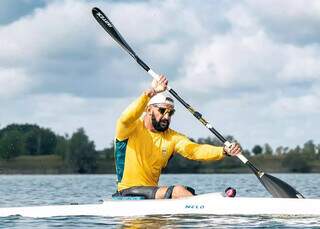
(182, 191)
(173, 192)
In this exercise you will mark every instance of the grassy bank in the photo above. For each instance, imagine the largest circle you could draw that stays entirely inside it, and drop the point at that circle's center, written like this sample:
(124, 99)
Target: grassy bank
(53, 164)
(47, 164)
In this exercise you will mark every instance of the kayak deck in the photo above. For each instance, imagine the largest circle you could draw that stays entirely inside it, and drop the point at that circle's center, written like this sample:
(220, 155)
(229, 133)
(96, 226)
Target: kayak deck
(211, 204)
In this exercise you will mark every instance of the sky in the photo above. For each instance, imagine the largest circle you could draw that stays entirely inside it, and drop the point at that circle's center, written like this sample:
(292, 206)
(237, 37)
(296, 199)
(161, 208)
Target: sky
(252, 68)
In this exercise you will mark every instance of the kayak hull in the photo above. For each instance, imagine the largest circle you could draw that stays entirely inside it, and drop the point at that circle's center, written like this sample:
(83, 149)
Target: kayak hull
(206, 204)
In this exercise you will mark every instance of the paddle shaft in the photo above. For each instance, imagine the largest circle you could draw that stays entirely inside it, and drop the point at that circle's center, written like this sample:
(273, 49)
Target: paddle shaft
(104, 21)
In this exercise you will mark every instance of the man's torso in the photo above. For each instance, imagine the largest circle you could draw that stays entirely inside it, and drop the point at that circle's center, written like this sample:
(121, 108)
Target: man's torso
(141, 157)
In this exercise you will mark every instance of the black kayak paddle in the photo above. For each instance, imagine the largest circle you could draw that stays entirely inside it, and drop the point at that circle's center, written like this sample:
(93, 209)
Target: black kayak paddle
(276, 187)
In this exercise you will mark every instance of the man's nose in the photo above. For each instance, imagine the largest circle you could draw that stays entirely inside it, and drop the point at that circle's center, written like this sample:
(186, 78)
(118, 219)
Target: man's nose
(166, 116)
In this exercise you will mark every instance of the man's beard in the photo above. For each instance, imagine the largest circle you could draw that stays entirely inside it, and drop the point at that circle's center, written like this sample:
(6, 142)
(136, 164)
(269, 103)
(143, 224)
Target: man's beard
(161, 125)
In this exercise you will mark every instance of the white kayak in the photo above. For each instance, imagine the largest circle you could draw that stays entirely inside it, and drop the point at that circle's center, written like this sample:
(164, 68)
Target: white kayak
(211, 204)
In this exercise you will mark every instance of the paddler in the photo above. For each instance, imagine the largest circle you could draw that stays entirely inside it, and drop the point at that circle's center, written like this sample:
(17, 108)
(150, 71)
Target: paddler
(144, 143)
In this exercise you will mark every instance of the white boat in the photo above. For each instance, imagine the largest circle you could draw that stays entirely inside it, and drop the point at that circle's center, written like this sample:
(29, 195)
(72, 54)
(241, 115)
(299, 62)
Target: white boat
(211, 204)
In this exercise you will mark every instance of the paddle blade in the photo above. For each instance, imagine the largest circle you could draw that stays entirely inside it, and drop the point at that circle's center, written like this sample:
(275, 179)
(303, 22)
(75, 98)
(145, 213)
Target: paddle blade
(107, 25)
(278, 188)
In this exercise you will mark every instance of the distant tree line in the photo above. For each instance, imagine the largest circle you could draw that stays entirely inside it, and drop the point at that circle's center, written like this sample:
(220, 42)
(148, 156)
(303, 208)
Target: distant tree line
(79, 152)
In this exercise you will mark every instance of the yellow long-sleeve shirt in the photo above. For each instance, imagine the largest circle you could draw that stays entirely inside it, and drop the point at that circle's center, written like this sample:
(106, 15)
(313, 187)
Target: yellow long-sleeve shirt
(140, 154)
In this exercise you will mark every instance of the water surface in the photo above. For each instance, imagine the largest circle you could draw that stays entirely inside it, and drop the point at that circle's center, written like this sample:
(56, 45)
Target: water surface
(26, 190)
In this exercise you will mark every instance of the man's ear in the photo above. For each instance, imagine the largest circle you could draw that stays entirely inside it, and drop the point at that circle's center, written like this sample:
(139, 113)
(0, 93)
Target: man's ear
(148, 110)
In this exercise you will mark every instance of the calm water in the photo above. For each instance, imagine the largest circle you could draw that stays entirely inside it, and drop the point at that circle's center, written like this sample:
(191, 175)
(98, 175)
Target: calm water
(23, 190)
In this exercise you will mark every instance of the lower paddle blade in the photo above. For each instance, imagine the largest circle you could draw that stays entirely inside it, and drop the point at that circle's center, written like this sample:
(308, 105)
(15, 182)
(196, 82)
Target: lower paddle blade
(278, 188)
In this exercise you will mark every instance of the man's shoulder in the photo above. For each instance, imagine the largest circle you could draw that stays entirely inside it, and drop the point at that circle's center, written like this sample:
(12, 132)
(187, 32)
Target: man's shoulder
(139, 122)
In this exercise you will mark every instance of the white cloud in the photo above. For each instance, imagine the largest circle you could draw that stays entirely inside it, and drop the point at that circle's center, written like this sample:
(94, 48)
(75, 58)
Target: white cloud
(231, 61)
(61, 43)
(146, 22)
(251, 66)
(285, 10)
(305, 105)
(59, 27)
(248, 57)
(242, 21)
(13, 83)
(286, 20)
(302, 63)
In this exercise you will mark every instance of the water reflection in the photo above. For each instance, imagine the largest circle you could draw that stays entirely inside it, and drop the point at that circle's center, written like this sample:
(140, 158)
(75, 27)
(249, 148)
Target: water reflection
(153, 222)
(212, 221)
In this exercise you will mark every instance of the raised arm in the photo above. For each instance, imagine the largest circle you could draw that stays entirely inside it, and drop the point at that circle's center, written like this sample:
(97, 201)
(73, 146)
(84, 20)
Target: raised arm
(127, 121)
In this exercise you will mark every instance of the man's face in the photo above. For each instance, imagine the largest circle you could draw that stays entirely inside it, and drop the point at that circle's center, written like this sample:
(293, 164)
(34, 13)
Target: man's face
(161, 116)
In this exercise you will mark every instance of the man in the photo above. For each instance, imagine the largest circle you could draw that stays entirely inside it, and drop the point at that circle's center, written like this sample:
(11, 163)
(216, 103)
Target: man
(144, 143)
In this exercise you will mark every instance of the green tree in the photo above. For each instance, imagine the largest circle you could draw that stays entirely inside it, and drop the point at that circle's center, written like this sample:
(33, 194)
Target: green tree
(32, 142)
(209, 140)
(267, 149)
(11, 144)
(295, 162)
(296, 150)
(286, 150)
(309, 150)
(82, 155)
(62, 146)
(40, 141)
(279, 150)
(48, 141)
(246, 153)
(109, 152)
(213, 140)
(21, 128)
(256, 150)
(36, 140)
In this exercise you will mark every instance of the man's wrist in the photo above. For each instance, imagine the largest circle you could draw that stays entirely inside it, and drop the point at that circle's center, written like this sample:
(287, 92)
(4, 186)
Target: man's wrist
(150, 92)
(225, 153)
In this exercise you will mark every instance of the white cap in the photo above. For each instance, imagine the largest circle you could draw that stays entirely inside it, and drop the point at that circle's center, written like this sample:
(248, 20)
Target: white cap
(161, 98)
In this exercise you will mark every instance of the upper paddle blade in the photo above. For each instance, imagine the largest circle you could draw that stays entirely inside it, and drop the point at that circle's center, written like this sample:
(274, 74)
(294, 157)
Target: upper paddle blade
(107, 25)
(279, 188)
